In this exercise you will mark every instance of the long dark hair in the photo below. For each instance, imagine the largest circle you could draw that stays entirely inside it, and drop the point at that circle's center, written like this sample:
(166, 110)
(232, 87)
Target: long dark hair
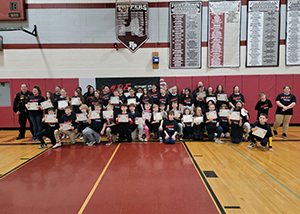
(38, 88)
(190, 92)
(51, 96)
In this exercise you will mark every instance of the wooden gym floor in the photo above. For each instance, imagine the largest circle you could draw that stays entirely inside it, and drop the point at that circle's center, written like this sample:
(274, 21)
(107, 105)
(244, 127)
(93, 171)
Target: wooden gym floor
(188, 177)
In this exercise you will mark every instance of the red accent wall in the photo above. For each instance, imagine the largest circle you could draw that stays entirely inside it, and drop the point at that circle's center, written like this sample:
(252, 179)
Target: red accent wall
(250, 86)
(8, 117)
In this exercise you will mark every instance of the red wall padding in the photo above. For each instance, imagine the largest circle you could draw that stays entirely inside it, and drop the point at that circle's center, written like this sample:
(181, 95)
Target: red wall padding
(8, 117)
(250, 86)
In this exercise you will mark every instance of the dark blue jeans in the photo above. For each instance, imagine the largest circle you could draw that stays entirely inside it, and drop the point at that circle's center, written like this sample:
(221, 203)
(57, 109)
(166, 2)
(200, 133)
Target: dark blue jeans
(236, 140)
(169, 141)
(218, 130)
(37, 124)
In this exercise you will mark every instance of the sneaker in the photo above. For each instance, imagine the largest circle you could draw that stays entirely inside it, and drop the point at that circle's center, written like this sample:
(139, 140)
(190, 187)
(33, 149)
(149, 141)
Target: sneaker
(218, 141)
(222, 135)
(284, 135)
(264, 147)
(275, 133)
(180, 138)
(47, 139)
(91, 143)
(160, 139)
(146, 140)
(252, 145)
(141, 139)
(19, 137)
(43, 146)
(58, 144)
(63, 136)
(109, 142)
(81, 138)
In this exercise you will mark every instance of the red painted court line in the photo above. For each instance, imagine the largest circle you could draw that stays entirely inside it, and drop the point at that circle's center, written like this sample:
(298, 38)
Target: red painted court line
(151, 178)
(56, 182)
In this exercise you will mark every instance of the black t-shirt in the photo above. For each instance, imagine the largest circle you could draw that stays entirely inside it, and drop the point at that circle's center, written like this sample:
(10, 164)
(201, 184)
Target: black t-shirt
(97, 124)
(154, 95)
(133, 98)
(68, 119)
(263, 107)
(211, 126)
(285, 99)
(164, 99)
(145, 99)
(187, 101)
(170, 126)
(92, 104)
(56, 96)
(265, 126)
(50, 127)
(133, 116)
(176, 98)
(224, 124)
(233, 98)
(105, 98)
(39, 99)
(237, 131)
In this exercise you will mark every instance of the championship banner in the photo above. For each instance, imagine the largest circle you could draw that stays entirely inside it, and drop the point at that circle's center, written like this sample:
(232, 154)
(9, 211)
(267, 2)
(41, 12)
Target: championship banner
(263, 33)
(292, 46)
(185, 34)
(224, 34)
(124, 83)
(132, 26)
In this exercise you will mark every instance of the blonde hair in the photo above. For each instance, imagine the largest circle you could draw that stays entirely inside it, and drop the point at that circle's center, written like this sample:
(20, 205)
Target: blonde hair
(84, 106)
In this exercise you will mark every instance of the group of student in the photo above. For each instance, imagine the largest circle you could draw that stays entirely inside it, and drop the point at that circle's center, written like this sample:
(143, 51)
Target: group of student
(139, 112)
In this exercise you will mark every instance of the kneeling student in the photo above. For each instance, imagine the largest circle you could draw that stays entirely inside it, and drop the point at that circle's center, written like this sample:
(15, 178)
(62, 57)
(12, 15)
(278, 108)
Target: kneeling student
(49, 130)
(170, 128)
(265, 137)
(92, 134)
(68, 117)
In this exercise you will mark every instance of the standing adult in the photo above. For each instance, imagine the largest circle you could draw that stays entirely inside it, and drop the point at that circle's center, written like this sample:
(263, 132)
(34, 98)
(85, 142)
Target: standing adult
(56, 95)
(20, 109)
(235, 96)
(285, 104)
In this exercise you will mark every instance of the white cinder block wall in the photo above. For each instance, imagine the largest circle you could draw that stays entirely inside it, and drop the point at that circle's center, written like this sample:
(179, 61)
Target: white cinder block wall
(89, 26)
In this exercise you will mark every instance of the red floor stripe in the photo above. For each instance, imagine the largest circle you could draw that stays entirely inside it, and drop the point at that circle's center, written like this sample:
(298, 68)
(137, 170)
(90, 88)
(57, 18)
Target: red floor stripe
(56, 182)
(151, 178)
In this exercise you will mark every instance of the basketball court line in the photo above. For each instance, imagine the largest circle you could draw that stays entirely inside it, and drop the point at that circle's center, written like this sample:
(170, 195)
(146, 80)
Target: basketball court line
(22, 164)
(213, 195)
(261, 169)
(98, 181)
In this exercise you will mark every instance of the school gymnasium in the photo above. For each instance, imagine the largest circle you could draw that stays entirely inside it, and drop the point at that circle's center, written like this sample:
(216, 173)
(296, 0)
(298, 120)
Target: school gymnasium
(174, 45)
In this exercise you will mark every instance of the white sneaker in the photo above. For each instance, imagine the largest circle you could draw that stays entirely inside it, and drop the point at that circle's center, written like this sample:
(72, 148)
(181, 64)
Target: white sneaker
(160, 139)
(47, 139)
(252, 145)
(58, 144)
(218, 141)
(222, 135)
(141, 139)
(91, 143)
(43, 146)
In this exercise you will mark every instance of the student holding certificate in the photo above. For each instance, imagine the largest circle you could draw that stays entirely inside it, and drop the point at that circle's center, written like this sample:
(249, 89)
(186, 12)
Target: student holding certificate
(124, 128)
(245, 116)
(76, 101)
(49, 128)
(49, 102)
(111, 127)
(92, 133)
(237, 130)
(200, 99)
(134, 127)
(35, 111)
(221, 96)
(132, 99)
(155, 121)
(95, 100)
(61, 108)
(82, 122)
(198, 125)
(213, 125)
(145, 98)
(67, 118)
(187, 124)
(224, 120)
(177, 118)
(116, 101)
(261, 132)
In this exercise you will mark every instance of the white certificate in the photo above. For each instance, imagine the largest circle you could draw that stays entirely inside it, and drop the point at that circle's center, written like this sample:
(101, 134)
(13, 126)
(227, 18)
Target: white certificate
(133, 101)
(177, 113)
(33, 106)
(50, 118)
(201, 95)
(139, 95)
(114, 100)
(187, 118)
(157, 116)
(108, 114)
(224, 112)
(211, 115)
(62, 103)
(259, 132)
(81, 117)
(65, 126)
(47, 104)
(198, 119)
(211, 98)
(126, 94)
(94, 115)
(243, 112)
(75, 101)
(123, 118)
(139, 121)
(222, 97)
(146, 115)
(234, 115)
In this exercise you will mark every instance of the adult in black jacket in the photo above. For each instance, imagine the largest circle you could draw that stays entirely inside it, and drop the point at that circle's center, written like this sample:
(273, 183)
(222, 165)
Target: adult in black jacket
(20, 109)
